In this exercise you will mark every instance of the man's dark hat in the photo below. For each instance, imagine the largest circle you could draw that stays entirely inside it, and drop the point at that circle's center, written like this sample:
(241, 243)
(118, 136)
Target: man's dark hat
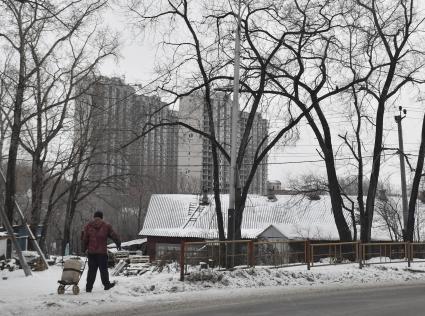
(98, 214)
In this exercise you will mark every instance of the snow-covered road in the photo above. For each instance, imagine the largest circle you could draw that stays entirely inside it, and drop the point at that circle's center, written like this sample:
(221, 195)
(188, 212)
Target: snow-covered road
(395, 300)
(36, 295)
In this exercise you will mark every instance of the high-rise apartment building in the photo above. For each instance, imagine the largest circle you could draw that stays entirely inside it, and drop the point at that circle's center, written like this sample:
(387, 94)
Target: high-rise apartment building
(118, 116)
(195, 162)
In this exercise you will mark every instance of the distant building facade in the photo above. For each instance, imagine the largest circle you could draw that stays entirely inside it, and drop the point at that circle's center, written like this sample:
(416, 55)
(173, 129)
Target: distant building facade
(118, 116)
(195, 159)
(274, 185)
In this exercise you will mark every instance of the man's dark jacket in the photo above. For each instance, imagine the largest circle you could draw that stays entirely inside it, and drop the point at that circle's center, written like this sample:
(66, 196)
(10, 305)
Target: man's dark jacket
(95, 236)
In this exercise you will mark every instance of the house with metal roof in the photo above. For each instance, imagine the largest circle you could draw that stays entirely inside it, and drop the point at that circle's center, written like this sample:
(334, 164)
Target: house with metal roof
(172, 218)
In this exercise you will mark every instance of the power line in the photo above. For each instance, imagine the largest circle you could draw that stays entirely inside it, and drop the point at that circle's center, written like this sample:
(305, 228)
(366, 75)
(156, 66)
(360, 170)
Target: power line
(220, 165)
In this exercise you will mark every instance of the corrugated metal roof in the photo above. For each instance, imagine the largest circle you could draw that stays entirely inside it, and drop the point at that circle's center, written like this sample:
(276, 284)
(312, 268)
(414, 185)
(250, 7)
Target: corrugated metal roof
(168, 215)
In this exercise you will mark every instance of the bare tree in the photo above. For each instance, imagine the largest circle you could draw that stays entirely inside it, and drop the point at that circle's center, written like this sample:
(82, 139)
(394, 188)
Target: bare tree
(395, 24)
(370, 45)
(54, 90)
(36, 32)
(312, 71)
(302, 55)
(390, 218)
(83, 152)
(57, 179)
(388, 30)
(211, 58)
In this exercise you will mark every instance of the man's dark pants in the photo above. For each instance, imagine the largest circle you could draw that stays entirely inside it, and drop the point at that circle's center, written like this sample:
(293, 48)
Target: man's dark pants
(97, 261)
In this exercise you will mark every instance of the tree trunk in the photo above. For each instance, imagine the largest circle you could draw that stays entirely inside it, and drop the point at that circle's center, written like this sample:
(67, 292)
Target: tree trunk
(325, 142)
(69, 216)
(216, 180)
(2, 137)
(36, 192)
(374, 176)
(415, 187)
(336, 200)
(49, 212)
(9, 203)
(240, 206)
(10, 190)
(45, 228)
(217, 199)
(70, 208)
(66, 233)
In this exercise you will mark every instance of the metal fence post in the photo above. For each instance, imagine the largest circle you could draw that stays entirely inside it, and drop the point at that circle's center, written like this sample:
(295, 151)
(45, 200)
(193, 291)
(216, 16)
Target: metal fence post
(251, 257)
(307, 253)
(409, 251)
(360, 252)
(182, 257)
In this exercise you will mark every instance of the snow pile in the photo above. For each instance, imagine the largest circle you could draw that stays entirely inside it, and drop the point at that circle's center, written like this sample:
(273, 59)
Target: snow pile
(36, 295)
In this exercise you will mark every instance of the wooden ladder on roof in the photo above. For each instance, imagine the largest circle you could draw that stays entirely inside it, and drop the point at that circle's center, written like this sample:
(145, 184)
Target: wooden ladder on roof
(192, 208)
(194, 212)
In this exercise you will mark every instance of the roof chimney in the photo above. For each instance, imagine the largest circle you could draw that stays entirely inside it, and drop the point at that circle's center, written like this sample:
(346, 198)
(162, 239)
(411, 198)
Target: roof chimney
(204, 198)
(271, 197)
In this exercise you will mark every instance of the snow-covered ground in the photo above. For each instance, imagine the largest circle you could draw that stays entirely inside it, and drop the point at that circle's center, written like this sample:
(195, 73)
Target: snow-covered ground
(36, 295)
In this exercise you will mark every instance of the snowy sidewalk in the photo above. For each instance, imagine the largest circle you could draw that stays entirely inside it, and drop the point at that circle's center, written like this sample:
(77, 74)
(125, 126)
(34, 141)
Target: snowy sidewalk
(36, 295)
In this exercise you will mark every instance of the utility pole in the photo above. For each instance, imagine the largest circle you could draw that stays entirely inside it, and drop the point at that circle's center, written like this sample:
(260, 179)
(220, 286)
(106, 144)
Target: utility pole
(398, 119)
(231, 215)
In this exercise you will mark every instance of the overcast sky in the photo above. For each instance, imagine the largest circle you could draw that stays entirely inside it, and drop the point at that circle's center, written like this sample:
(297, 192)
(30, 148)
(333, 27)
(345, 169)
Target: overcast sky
(136, 65)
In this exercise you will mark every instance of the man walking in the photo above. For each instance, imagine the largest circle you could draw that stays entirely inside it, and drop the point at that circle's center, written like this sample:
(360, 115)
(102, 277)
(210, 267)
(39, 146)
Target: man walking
(94, 239)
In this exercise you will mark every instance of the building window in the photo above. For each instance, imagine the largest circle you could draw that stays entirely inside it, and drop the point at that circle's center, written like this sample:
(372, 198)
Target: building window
(167, 251)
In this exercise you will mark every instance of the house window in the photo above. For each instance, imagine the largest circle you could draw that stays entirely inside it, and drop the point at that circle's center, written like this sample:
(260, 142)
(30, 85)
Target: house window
(167, 251)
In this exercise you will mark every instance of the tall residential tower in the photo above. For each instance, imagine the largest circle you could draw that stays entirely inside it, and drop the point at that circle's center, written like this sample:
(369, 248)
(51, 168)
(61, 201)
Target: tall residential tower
(195, 161)
(118, 116)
